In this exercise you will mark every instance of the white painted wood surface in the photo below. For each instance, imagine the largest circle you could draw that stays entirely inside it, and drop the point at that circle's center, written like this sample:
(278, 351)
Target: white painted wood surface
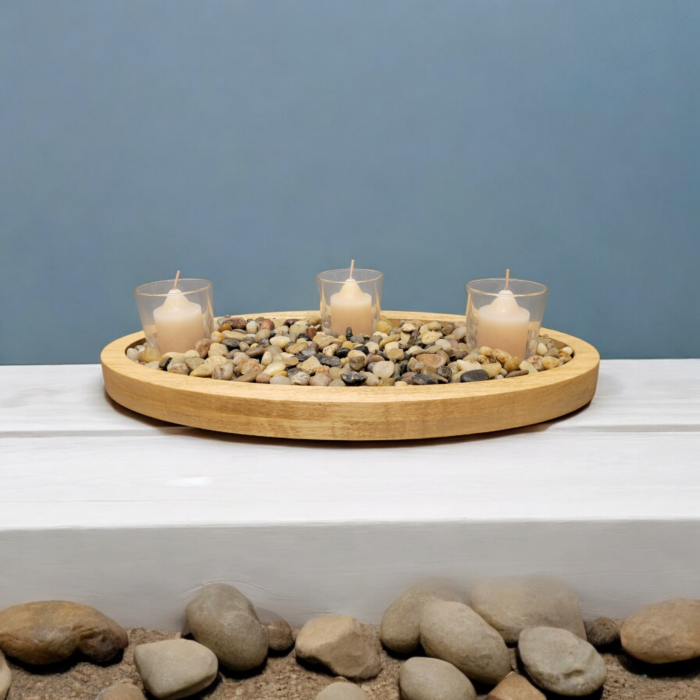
(103, 506)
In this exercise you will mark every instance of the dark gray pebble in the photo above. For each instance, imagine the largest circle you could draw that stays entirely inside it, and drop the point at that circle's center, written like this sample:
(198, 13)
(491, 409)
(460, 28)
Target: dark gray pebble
(331, 361)
(231, 344)
(353, 378)
(474, 375)
(425, 379)
(163, 364)
(342, 352)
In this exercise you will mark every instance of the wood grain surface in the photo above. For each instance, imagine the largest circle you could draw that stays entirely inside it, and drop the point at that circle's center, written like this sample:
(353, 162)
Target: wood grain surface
(353, 414)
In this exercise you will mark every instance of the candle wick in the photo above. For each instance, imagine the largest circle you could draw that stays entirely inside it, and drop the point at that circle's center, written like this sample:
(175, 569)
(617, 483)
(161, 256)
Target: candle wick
(352, 267)
(177, 277)
(507, 278)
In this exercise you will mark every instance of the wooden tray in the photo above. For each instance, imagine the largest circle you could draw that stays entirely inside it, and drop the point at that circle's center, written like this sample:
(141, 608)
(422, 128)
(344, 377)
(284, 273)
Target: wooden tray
(349, 413)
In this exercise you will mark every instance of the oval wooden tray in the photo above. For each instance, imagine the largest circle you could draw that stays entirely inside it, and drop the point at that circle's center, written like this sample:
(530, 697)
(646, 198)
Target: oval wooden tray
(364, 413)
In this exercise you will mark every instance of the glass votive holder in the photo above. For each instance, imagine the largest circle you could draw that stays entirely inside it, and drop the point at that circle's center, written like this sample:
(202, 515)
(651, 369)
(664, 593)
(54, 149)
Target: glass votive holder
(350, 303)
(174, 320)
(509, 320)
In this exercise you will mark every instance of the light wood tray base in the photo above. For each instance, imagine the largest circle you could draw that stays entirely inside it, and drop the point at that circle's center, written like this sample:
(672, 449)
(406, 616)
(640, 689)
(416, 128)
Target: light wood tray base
(345, 413)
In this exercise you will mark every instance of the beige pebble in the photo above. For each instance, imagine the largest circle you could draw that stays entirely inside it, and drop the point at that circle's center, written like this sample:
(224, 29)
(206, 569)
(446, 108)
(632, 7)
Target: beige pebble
(372, 379)
(567, 350)
(541, 349)
(275, 368)
(216, 337)
(550, 362)
(133, 354)
(528, 367)
(204, 370)
(279, 379)
(176, 356)
(223, 372)
(431, 337)
(383, 369)
(152, 365)
(215, 360)
(191, 353)
(193, 362)
(281, 341)
(535, 361)
(218, 349)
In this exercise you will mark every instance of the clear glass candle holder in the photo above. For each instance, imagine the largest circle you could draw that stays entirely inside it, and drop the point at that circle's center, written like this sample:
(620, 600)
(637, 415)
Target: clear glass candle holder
(508, 320)
(350, 303)
(174, 322)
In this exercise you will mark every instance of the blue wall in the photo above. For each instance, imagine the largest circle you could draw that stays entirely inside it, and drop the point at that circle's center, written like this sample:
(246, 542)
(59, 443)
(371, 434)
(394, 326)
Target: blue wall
(257, 143)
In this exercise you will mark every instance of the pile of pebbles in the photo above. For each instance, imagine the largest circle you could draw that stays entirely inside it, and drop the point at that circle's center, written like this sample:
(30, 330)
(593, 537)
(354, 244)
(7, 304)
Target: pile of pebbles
(515, 639)
(298, 352)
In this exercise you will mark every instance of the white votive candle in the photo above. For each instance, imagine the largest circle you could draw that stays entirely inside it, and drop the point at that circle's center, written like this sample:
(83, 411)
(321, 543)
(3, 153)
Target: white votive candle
(503, 324)
(179, 323)
(351, 307)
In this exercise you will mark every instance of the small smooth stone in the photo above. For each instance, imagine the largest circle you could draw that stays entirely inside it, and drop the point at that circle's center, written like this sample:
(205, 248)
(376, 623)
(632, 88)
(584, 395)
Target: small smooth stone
(459, 333)
(301, 379)
(175, 668)
(407, 377)
(163, 364)
(431, 360)
(257, 352)
(194, 362)
(237, 322)
(281, 341)
(550, 362)
(176, 356)
(337, 382)
(474, 375)
(602, 632)
(275, 368)
(502, 356)
(528, 368)
(279, 634)
(384, 327)
(491, 368)
(383, 369)
(251, 376)
(567, 350)
(357, 363)
(329, 361)
(431, 336)
(249, 365)
(663, 632)
(48, 632)
(151, 355)
(535, 361)
(387, 381)
(178, 368)
(120, 691)
(453, 632)
(511, 605)
(223, 372)
(541, 349)
(203, 370)
(465, 366)
(216, 337)
(280, 379)
(371, 379)
(517, 373)
(310, 366)
(515, 687)
(5, 677)
(323, 379)
(425, 379)
(400, 382)
(357, 339)
(342, 691)
(433, 679)
(267, 324)
(400, 626)
(560, 662)
(218, 349)
(336, 372)
(224, 620)
(252, 327)
(340, 644)
(445, 372)
(353, 378)
(133, 354)
(263, 379)
(389, 339)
